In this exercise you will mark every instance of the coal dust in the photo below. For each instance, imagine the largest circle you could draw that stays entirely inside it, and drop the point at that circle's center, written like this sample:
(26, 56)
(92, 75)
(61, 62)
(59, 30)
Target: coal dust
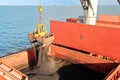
(49, 68)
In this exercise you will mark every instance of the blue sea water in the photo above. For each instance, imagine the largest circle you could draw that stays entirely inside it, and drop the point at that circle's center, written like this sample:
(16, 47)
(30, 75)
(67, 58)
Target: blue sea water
(17, 21)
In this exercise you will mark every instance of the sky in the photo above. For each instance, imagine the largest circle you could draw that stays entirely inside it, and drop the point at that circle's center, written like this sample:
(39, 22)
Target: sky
(53, 2)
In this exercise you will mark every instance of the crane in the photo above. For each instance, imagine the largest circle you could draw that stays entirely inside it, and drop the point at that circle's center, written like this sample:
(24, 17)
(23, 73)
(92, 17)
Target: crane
(90, 11)
(40, 40)
(118, 1)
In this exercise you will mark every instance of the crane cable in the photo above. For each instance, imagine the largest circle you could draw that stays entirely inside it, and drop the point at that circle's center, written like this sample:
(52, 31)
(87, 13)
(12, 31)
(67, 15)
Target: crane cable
(35, 50)
(40, 10)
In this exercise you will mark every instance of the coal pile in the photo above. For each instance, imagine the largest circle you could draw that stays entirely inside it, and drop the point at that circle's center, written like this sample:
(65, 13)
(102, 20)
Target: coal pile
(49, 68)
(69, 72)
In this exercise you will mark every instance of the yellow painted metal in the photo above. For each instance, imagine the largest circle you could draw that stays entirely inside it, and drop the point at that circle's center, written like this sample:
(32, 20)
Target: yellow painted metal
(40, 30)
(40, 8)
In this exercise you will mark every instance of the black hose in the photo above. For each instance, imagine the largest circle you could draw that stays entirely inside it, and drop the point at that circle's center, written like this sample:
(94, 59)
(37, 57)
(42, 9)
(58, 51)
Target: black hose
(85, 4)
(118, 1)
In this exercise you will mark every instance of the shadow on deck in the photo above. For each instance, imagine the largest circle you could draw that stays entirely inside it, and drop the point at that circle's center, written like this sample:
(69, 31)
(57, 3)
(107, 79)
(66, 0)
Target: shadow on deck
(68, 72)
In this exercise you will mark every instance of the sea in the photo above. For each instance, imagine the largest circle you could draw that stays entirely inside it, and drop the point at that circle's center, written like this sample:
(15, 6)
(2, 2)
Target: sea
(17, 21)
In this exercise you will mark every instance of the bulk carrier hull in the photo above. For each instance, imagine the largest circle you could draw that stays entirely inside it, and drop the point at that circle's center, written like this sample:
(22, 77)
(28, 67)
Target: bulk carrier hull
(95, 47)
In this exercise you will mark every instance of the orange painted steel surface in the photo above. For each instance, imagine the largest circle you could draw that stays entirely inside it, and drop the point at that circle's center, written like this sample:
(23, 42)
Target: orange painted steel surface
(94, 63)
(110, 21)
(96, 39)
(74, 20)
(10, 73)
(108, 24)
(19, 60)
(110, 18)
(2, 78)
(114, 74)
(5, 75)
